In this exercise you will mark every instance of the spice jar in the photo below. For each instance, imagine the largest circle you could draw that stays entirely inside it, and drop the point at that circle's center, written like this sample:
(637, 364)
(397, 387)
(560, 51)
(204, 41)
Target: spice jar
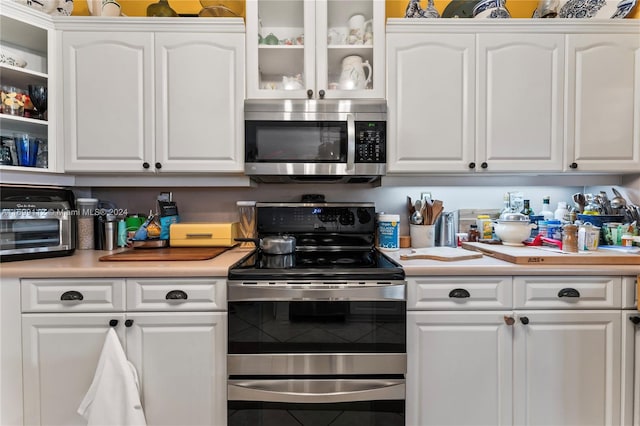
(474, 234)
(570, 238)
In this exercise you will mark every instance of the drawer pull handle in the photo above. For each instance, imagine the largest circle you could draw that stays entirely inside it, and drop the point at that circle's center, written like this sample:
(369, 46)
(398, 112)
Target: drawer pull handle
(176, 295)
(568, 292)
(113, 323)
(524, 320)
(635, 320)
(71, 295)
(128, 323)
(459, 293)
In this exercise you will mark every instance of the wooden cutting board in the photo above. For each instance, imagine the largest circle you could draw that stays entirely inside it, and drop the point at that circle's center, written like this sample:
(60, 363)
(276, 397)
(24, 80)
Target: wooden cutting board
(446, 254)
(548, 256)
(165, 254)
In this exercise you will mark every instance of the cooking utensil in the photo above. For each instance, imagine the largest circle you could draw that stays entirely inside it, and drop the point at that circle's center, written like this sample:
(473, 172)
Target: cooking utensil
(436, 210)
(282, 244)
(416, 218)
(618, 201)
(580, 201)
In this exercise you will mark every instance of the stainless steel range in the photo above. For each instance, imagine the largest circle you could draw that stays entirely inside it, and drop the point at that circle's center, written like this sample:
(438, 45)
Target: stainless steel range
(317, 337)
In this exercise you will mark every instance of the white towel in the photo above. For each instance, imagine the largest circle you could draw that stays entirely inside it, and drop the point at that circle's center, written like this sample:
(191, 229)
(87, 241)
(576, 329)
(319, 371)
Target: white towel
(113, 397)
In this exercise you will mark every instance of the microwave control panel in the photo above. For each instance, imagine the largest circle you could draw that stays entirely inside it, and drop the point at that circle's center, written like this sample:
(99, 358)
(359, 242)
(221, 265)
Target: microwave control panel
(371, 142)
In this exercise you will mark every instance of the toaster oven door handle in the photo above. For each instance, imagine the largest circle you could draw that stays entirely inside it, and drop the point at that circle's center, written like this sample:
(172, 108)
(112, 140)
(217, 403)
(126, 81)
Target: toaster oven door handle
(316, 391)
(351, 144)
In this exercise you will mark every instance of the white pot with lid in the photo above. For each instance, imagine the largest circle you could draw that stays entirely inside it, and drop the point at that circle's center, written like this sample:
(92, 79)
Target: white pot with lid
(513, 228)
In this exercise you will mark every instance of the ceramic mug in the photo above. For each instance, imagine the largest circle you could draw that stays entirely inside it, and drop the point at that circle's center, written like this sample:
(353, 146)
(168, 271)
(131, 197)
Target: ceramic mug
(357, 28)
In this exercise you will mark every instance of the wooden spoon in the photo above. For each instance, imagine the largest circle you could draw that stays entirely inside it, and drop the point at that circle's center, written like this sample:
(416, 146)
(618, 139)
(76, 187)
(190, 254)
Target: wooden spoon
(437, 209)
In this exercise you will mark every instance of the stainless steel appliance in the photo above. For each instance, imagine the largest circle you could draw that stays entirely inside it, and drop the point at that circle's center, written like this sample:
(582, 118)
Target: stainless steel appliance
(36, 222)
(317, 337)
(315, 140)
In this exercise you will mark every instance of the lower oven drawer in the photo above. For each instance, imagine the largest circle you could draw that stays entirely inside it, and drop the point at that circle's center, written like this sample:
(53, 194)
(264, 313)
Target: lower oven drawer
(353, 401)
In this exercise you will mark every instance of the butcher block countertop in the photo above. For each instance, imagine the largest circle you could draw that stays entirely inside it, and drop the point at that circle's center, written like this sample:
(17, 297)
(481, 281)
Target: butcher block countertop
(86, 263)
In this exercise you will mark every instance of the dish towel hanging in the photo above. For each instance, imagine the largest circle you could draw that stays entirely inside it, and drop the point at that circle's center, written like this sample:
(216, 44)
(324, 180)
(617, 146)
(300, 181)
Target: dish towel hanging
(113, 397)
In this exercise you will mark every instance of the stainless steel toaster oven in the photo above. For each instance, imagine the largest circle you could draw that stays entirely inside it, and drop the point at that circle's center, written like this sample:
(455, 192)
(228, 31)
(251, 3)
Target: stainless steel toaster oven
(36, 222)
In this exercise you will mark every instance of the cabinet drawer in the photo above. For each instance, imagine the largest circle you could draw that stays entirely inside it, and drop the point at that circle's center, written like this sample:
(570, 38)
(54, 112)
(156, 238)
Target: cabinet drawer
(465, 293)
(176, 294)
(72, 295)
(567, 292)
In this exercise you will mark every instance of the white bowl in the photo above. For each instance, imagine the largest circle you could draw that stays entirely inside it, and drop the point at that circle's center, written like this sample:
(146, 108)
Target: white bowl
(513, 233)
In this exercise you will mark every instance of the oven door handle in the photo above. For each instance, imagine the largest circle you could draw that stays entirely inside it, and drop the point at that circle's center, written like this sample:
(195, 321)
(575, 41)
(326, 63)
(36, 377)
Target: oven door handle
(316, 391)
(249, 293)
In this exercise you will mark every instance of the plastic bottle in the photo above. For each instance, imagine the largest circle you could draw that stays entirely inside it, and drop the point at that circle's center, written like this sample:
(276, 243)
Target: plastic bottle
(546, 210)
(561, 211)
(484, 226)
(389, 232)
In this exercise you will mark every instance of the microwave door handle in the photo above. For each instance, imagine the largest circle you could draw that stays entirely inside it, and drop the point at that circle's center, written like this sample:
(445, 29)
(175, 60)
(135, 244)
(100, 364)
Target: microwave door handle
(316, 391)
(351, 143)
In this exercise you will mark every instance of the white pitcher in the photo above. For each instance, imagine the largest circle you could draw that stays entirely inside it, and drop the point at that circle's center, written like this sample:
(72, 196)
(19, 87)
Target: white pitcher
(353, 76)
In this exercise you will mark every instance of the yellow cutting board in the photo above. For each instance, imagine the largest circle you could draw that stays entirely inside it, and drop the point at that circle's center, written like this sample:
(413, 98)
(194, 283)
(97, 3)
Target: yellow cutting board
(446, 254)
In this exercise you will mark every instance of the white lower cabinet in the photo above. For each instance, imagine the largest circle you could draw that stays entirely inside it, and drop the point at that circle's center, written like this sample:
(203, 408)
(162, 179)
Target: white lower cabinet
(498, 362)
(631, 368)
(179, 353)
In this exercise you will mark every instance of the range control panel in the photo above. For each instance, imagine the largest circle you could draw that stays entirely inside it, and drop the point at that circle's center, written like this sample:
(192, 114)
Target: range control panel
(371, 142)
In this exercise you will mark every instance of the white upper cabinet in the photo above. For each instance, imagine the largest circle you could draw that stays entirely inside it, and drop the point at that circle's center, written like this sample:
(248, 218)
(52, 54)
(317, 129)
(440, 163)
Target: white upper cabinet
(431, 100)
(519, 104)
(154, 100)
(603, 102)
(29, 38)
(315, 49)
(522, 96)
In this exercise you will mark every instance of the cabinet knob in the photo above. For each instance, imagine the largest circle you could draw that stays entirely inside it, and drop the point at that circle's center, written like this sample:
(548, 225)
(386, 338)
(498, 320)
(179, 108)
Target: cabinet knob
(321, 94)
(524, 320)
(128, 323)
(568, 292)
(113, 323)
(176, 295)
(573, 165)
(146, 165)
(309, 93)
(484, 165)
(72, 295)
(459, 293)
(635, 320)
(158, 165)
(509, 320)
(472, 165)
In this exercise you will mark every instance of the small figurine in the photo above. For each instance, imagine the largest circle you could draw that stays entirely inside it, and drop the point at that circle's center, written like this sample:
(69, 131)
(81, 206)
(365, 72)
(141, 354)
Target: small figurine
(414, 10)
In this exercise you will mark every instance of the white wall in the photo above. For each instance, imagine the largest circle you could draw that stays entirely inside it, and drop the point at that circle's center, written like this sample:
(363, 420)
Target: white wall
(218, 204)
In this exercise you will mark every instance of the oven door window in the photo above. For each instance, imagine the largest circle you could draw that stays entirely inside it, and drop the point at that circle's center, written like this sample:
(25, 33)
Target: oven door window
(29, 233)
(362, 413)
(271, 327)
(296, 141)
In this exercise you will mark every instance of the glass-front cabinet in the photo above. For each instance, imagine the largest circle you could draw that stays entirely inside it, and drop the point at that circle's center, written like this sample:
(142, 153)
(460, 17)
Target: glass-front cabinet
(315, 49)
(26, 128)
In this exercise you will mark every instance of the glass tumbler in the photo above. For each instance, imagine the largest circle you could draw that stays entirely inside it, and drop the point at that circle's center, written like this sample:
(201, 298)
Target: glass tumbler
(247, 212)
(27, 150)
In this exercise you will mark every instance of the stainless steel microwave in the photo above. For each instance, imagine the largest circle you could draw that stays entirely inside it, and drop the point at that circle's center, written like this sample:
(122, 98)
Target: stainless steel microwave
(36, 222)
(315, 140)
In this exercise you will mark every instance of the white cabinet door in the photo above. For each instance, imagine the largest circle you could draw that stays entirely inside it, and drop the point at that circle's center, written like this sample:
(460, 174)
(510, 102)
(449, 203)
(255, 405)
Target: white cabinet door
(181, 361)
(520, 99)
(108, 101)
(567, 368)
(458, 368)
(603, 102)
(60, 355)
(199, 93)
(630, 368)
(431, 97)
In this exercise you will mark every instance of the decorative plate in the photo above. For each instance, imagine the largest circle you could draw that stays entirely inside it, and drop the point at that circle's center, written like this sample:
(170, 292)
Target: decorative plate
(11, 58)
(596, 9)
(460, 9)
(50, 7)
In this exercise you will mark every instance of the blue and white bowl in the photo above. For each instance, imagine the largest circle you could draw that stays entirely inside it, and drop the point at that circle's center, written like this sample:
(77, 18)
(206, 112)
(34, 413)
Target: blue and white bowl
(491, 9)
